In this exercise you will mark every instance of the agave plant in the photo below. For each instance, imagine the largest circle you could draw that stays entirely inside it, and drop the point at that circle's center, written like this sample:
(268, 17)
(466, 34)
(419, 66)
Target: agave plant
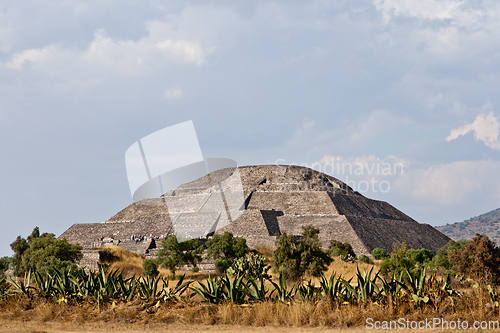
(4, 287)
(348, 291)
(175, 293)
(235, 288)
(45, 284)
(283, 294)
(330, 288)
(256, 290)
(417, 287)
(393, 288)
(24, 287)
(308, 292)
(367, 288)
(148, 287)
(213, 292)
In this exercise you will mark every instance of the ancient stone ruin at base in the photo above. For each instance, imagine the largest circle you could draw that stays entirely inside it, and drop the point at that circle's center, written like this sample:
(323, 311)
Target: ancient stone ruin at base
(278, 199)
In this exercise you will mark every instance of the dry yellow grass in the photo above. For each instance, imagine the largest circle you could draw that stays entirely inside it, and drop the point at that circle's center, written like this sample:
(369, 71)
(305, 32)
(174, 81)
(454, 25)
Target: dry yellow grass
(131, 264)
(148, 314)
(21, 313)
(128, 262)
(348, 270)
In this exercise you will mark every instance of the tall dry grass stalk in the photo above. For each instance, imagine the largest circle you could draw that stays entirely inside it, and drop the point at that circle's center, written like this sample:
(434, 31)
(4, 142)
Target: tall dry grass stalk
(293, 314)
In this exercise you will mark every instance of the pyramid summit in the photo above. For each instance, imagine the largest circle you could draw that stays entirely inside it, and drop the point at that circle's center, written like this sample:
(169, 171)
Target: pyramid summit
(277, 199)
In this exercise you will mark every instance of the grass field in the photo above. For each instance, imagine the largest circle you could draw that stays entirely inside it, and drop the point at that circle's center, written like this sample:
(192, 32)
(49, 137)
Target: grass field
(36, 314)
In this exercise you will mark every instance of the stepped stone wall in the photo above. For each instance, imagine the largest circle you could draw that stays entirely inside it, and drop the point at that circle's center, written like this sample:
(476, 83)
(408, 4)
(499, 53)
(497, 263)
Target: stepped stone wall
(293, 203)
(278, 199)
(331, 227)
(384, 233)
(357, 205)
(89, 260)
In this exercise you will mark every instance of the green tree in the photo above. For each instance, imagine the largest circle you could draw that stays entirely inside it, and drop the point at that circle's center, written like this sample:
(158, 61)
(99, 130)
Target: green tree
(225, 249)
(398, 262)
(150, 267)
(379, 254)
(175, 253)
(19, 246)
(294, 257)
(339, 249)
(313, 258)
(286, 257)
(4, 264)
(365, 259)
(44, 253)
(478, 259)
(423, 257)
(441, 257)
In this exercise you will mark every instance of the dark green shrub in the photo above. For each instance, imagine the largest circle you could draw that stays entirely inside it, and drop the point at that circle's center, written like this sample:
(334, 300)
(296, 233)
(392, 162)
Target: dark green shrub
(150, 267)
(225, 249)
(398, 262)
(221, 265)
(286, 257)
(379, 254)
(441, 257)
(478, 259)
(338, 249)
(365, 259)
(314, 259)
(175, 253)
(423, 257)
(292, 258)
(4, 264)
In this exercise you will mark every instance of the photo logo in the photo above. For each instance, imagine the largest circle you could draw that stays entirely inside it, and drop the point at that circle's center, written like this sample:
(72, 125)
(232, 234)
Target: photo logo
(167, 168)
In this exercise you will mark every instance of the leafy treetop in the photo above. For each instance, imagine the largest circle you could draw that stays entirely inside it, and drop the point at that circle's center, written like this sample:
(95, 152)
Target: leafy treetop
(175, 253)
(44, 253)
(225, 249)
(294, 257)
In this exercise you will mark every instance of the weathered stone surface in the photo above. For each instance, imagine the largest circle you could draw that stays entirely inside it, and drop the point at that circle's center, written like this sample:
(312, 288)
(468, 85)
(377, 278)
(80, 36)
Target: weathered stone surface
(331, 227)
(89, 260)
(383, 233)
(278, 198)
(293, 203)
(357, 205)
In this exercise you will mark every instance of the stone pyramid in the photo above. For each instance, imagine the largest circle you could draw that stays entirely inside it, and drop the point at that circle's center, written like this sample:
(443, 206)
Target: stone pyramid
(278, 199)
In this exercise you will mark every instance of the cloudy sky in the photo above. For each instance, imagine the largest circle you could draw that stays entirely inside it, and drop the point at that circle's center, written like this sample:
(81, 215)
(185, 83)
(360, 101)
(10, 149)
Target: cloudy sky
(355, 88)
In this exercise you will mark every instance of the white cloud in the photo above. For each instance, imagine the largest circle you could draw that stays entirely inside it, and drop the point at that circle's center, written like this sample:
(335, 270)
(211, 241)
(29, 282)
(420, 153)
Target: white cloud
(441, 188)
(188, 51)
(485, 128)
(451, 184)
(353, 136)
(369, 175)
(368, 126)
(173, 93)
(105, 53)
(18, 60)
(443, 30)
(423, 9)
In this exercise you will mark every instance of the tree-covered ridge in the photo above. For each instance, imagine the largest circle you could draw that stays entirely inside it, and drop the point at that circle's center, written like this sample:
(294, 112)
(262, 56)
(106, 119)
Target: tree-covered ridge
(487, 224)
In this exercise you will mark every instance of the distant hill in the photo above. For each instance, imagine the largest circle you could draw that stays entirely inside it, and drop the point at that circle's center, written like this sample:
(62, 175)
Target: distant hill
(488, 224)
